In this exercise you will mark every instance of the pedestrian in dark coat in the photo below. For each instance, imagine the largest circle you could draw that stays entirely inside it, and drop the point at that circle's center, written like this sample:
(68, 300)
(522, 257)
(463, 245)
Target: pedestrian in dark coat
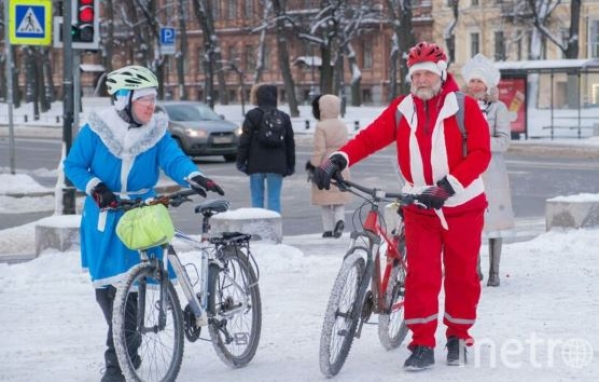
(265, 164)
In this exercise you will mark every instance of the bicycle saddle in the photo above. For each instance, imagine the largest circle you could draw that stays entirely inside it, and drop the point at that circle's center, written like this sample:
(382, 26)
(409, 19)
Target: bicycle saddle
(212, 207)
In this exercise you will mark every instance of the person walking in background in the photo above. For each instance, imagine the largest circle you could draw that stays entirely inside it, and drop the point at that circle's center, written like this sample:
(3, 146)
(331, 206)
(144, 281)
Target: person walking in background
(118, 154)
(330, 134)
(424, 127)
(482, 79)
(266, 149)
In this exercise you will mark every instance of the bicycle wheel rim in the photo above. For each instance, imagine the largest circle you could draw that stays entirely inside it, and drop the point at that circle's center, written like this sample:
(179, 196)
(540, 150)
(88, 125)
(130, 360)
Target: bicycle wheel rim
(392, 327)
(149, 344)
(340, 322)
(235, 337)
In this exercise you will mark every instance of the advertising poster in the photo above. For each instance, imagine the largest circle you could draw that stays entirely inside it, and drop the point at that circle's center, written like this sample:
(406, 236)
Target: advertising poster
(512, 93)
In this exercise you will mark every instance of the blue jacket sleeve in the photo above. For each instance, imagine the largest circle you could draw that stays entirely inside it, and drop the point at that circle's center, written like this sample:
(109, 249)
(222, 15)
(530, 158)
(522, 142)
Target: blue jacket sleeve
(173, 161)
(79, 159)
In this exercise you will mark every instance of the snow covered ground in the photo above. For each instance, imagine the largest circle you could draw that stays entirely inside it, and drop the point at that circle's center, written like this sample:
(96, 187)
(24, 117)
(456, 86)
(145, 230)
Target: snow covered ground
(541, 324)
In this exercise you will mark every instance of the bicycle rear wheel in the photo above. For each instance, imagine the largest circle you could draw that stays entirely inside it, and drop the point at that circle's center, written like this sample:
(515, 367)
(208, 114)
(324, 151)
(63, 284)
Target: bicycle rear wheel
(148, 326)
(234, 308)
(340, 321)
(392, 329)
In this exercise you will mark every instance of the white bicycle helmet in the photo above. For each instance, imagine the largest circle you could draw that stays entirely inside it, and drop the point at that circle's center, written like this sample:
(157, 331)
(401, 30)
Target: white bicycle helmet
(130, 78)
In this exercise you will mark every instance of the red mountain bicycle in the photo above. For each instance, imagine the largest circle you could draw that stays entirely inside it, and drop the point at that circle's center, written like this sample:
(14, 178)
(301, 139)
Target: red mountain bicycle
(364, 285)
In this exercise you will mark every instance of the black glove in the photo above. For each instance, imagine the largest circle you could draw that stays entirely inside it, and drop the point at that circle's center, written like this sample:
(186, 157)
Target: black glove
(331, 168)
(103, 196)
(310, 167)
(204, 183)
(243, 167)
(436, 196)
(290, 171)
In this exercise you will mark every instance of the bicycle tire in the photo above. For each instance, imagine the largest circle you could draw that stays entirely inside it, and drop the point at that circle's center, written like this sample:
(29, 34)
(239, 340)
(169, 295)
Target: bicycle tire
(236, 338)
(392, 328)
(157, 353)
(333, 355)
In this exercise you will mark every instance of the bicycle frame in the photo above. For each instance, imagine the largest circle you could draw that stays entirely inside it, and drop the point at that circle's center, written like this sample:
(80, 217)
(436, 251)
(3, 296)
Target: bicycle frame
(375, 234)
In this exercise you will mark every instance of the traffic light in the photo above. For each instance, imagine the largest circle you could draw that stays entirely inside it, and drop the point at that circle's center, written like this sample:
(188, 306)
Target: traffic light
(85, 21)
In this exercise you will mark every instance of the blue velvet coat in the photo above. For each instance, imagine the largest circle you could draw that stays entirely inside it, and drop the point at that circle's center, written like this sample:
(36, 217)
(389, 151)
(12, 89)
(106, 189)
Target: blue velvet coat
(128, 161)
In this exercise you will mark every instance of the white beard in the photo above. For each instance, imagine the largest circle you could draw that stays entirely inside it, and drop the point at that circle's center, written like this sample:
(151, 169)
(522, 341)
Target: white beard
(426, 93)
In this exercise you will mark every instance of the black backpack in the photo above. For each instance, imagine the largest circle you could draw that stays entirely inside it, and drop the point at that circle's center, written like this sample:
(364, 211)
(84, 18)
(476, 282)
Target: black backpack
(271, 132)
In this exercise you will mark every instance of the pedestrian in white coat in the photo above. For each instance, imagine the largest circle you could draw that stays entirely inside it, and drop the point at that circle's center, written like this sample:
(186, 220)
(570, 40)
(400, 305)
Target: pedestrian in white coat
(330, 134)
(482, 79)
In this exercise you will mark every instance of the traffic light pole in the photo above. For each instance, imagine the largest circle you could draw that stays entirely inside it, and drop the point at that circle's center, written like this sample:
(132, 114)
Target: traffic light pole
(68, 194)
(9, 88)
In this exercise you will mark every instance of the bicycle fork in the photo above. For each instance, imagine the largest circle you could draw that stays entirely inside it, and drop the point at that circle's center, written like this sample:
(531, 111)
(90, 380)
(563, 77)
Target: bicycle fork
(198, 306)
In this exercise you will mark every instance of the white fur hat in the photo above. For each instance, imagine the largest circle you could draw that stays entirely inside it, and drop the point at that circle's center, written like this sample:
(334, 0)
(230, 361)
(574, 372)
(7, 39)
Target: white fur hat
(483, 69)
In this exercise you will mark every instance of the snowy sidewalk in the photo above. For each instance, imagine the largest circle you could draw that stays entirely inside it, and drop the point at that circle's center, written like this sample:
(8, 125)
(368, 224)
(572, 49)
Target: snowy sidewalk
(541, 324)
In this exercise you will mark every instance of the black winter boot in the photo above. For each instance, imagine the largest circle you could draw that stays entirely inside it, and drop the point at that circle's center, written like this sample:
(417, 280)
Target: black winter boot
(339, 229)
(420, 359)
(455, 348)
(495, 250)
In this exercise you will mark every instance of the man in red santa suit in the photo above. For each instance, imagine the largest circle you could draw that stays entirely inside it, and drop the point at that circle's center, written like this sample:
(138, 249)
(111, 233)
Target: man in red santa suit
(432, 163)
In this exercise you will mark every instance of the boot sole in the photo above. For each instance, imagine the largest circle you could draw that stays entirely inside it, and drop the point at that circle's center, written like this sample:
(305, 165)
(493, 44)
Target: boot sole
(413, 369)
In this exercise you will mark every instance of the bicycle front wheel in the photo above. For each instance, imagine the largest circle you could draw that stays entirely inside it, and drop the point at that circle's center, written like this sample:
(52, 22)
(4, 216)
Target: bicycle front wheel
(340, 321)
(392, 328)
(148, 326)
(234, 307)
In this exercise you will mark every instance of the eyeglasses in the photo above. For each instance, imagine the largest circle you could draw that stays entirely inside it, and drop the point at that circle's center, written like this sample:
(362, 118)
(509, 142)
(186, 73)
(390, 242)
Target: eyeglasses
(147, 100)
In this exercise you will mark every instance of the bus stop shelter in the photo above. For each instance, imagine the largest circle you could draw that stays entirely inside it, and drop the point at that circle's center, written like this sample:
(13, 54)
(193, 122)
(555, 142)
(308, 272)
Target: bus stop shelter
(558, 97)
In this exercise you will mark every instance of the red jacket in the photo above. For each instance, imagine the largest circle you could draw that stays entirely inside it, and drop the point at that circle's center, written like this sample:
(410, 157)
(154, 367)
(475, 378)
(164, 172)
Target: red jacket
(429, 145)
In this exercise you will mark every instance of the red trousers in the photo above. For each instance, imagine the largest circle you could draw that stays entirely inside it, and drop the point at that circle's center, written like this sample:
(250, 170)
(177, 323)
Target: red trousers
(427, 243)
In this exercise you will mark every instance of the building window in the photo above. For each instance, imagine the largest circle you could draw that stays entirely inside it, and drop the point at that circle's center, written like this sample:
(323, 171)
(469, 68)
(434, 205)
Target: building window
(592, 41)
(265, 57)
(200, 60)
(367, 54)
(499, 53)
(249, 58)
(232, 9)
(248, 8)
(519, 46)
(474, 44)
(215, 6)
(474, 3)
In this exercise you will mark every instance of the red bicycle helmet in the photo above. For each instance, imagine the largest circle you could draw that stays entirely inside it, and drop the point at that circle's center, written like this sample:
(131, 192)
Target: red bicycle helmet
(427, 56)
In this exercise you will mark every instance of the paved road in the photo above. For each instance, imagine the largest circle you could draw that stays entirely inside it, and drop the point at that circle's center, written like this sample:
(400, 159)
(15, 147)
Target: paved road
(536, 175)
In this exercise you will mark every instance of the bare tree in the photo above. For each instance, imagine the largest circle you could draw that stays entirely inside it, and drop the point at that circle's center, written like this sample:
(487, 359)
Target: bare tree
(404, 39)
(212, 53)
(541, 12)
(140, 17)
(262, 29)
(449, 37)
(284, 57)
(182, 54)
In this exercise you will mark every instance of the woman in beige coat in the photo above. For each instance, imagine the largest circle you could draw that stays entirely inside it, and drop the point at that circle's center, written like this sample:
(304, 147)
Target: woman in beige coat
(330, 134)
(482, 80)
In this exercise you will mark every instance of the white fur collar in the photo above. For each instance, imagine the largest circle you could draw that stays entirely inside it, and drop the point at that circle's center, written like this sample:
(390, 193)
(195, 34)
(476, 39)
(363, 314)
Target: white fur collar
(122, 141)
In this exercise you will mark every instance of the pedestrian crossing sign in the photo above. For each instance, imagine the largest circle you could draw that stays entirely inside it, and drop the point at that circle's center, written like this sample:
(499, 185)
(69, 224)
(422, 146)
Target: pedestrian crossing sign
(30, 22)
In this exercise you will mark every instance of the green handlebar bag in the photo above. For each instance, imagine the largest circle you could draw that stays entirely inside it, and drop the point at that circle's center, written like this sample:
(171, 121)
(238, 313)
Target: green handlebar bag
(145, 227)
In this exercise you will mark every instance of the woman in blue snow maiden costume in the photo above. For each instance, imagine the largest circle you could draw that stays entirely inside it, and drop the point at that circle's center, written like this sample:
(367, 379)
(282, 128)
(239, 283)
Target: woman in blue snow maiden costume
(118, 154)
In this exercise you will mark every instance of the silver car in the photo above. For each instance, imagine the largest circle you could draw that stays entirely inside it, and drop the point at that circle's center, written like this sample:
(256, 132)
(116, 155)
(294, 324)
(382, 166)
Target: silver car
(200, 131)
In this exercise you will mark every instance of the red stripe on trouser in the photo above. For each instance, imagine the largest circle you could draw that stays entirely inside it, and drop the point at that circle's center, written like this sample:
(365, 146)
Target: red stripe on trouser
(425, 238)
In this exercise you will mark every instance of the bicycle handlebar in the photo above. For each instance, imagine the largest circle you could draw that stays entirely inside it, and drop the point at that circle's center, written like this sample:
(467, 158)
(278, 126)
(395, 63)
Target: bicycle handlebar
(174, 199)
(378, 194)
